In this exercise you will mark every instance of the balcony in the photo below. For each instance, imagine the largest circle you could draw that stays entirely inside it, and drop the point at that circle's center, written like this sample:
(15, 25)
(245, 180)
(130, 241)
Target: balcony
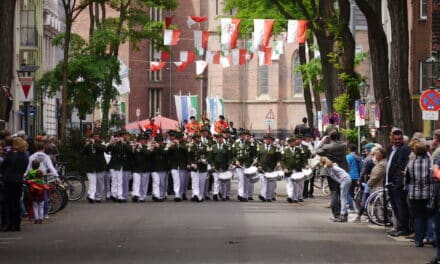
(28, 38)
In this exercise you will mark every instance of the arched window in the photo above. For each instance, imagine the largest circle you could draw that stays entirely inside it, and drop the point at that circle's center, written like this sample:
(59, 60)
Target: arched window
(263, 79)
(297, 81)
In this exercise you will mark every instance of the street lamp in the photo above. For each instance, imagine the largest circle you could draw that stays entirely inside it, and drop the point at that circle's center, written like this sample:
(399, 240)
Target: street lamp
(432, 66)
(364, 90)
(25, 75)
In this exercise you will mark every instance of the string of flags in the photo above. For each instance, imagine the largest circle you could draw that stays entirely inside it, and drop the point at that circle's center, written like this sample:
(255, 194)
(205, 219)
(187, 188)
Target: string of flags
(229, 54)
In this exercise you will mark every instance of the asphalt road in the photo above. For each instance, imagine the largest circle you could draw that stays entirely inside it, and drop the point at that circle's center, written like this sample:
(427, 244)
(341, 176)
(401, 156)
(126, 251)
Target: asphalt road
(209, 232)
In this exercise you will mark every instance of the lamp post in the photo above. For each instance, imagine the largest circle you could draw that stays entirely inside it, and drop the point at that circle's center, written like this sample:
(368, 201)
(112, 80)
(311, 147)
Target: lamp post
(26, 77)
(364, 90)
(432, 67)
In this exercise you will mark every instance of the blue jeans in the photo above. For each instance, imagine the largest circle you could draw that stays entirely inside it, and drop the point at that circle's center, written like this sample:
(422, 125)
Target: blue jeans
(344, 186)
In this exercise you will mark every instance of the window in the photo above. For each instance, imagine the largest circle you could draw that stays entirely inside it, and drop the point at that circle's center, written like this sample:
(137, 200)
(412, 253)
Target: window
(28, 30)
(155, 14)
(154, 55)
(155, 101)
(423, 9)
(297, 81)
(423, 80)
(263, 80)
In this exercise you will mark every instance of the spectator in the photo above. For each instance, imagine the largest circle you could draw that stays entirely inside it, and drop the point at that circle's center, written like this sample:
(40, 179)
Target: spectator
(354, 163)
(13, 168)
(397, 161)
(419, 173)
(37, 188)
(302, 129)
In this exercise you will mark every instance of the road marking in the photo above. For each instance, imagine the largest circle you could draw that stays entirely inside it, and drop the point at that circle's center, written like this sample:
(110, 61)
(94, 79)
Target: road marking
(11, 238)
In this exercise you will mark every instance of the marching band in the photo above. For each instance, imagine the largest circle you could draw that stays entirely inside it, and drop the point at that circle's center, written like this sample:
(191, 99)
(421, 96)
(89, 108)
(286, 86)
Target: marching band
(194, 159)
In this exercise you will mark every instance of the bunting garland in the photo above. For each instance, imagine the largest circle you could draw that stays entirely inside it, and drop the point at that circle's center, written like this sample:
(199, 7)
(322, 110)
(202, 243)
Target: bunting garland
(229, 54)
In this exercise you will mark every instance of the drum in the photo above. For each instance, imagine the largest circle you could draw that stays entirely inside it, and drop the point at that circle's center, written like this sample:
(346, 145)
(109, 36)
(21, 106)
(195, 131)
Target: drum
(255, 178)
(297, 176)
(308, 173)
(274, 176)
(251, 171)
(225, 176)
(313, 162)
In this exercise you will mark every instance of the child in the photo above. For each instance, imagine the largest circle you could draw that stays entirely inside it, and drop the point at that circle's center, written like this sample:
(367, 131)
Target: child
(37, 188)
(31, 173)
(27, 199)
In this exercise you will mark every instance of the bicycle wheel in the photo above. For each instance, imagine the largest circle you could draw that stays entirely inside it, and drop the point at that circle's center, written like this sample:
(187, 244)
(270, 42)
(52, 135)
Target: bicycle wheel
(325, 188)
(64, 195)
(358, 199)
(75, 187)
(54, 200)
(379, 217)
(369, 205)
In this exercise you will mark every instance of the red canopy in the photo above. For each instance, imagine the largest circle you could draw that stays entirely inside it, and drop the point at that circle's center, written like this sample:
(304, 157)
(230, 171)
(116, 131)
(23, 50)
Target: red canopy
(163, 122)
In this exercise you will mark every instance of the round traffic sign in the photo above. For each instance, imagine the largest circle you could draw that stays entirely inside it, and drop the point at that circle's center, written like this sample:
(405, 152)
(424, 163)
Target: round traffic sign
(430, 100)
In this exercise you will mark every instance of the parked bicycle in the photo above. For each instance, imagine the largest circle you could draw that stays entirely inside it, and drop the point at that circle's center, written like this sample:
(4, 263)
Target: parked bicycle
(321, 182)
(73, 183)
(378, 207)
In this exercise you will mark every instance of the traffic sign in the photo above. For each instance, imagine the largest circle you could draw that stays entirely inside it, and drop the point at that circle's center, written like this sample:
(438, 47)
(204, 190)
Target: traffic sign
(429, 115)
(270, 115)
(430, 100)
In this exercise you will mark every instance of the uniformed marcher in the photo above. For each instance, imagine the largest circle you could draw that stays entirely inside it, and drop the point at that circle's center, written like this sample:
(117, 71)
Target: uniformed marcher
(95, 165)
(294, 159)
(269, 158)
(159, 168)
(220, 160)
(141, 168)
(244, 152)
(120, 152)
(198, 164)
(126, 159)
(177, 157)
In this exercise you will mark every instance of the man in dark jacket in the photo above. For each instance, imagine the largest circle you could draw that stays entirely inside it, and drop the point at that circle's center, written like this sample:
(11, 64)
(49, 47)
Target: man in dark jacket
(394, 181)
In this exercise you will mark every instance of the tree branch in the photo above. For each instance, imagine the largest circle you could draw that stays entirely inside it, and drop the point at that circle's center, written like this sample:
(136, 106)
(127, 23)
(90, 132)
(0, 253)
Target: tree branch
(281, 9)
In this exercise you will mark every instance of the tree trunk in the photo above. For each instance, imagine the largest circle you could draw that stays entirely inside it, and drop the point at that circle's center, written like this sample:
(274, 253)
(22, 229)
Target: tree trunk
(399, 65)
(379, 63)
(92, 20)
(306, 88)
(65, 92)
(7, 14)
(316, 96)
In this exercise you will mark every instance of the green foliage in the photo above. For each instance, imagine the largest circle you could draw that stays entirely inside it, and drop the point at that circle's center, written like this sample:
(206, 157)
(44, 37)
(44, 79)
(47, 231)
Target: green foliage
(341, 103)
(311, 73)
(248, 10)
(351, 134)
(360, 57)
(71, 151)
(89, 68)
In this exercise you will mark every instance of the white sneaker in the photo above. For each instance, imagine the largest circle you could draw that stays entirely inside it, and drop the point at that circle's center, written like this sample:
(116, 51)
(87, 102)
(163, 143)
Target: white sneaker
(351, 211)
(46, 217)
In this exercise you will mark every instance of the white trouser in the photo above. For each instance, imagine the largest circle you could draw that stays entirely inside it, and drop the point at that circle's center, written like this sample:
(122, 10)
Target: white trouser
(175, 173)
(126, 177)
(263, 189)
(289, 187)
(91, 192)
(184, 181)
(159, 183)
(116, 186)
(99, 195)
(271, 187)
(298, 188)
(225, 188)
(107, 182)
(38, 210)
(216, 184)
(242, 182)
(198, 180)
(249, 188)
(140, 184)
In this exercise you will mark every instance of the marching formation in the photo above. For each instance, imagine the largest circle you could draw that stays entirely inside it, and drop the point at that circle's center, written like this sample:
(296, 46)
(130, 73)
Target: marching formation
(205, 163)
